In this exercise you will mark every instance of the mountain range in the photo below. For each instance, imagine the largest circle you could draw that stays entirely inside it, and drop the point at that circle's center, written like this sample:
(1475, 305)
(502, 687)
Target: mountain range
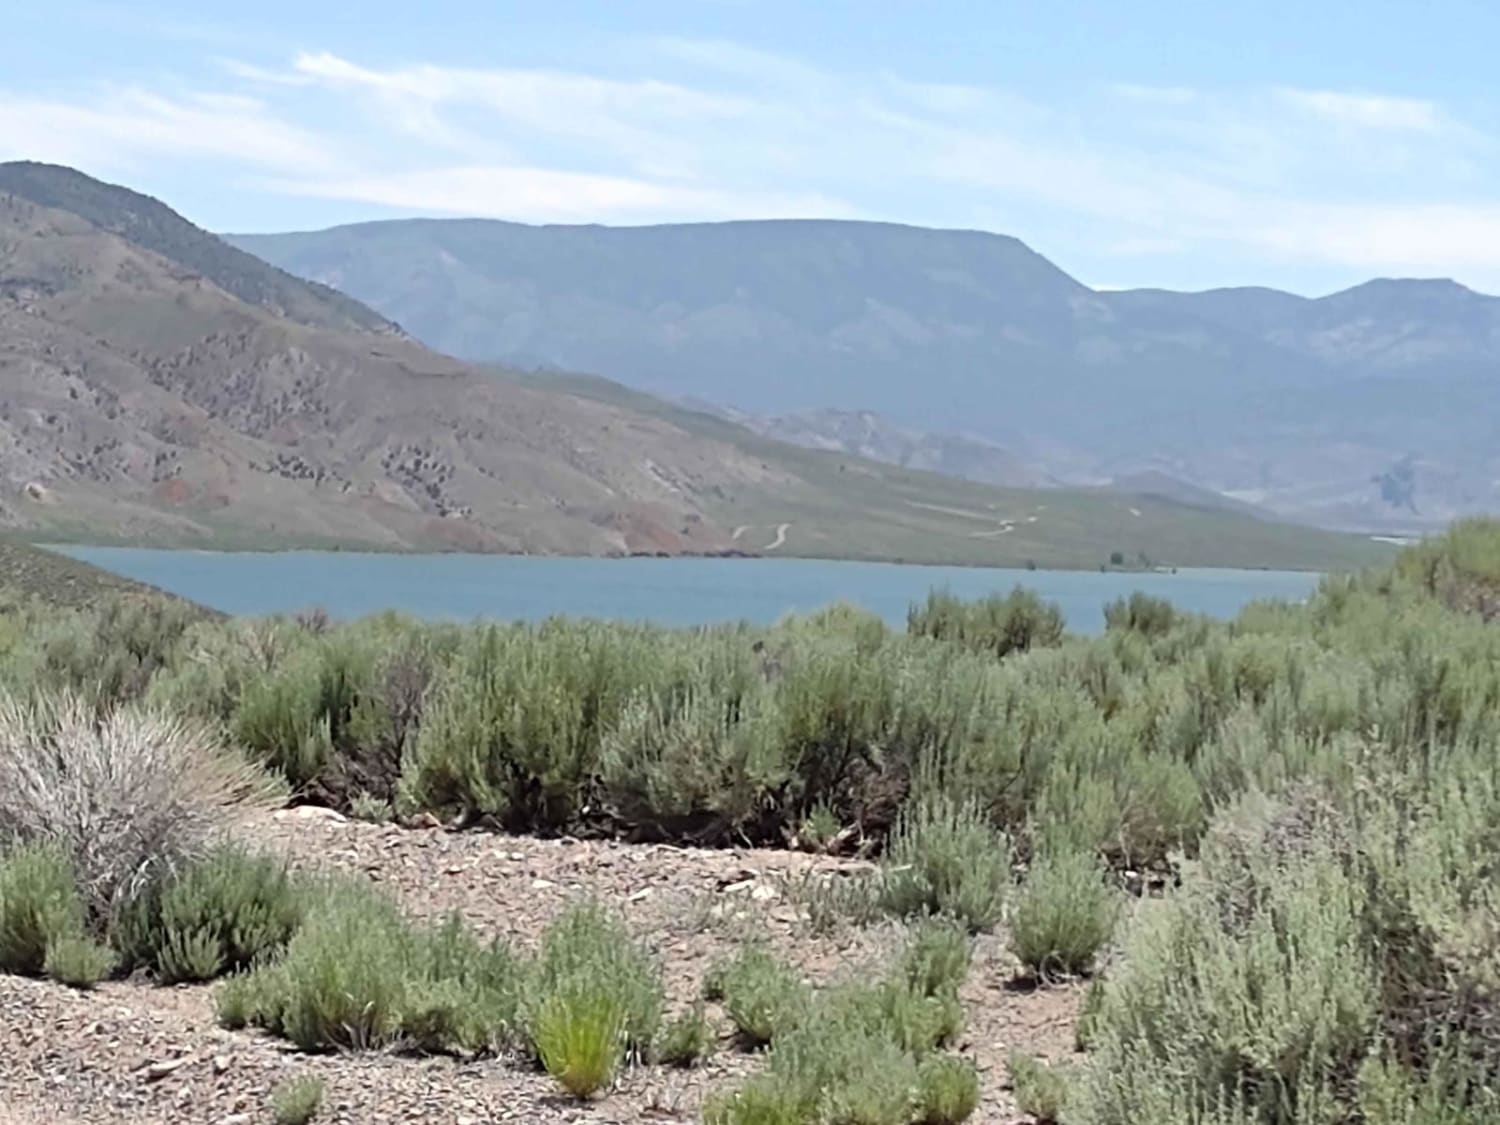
(1374, 408)
(158, 385)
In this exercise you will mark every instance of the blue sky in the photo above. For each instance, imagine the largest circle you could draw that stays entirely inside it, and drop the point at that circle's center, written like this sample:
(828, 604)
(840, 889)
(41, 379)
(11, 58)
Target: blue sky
(1305, 145)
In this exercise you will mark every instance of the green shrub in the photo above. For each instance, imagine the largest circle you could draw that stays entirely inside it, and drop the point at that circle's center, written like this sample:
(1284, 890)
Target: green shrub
(696, 764)
(879, 1087)
(997, 625)
(513, 727)
(945, 858)
(897, 1012)
(1261, 982)
(345, 977)
(219, 914)
(764, 997)
(767, 1099)
(40, 907)
(371, 809)
(297, 1102)
(579, 1034)
(936, 958)
(463, 994)
(358, 975)
(241, 1000)
(1141, 613)
(109, 654)
(1088, 1015)
(687, 1040)
(588, 947)
(947, 1090)
(77, 961)
(1041, 1091)
(819, 827)
(832, 899)
(1064, 915)
(857, 1052)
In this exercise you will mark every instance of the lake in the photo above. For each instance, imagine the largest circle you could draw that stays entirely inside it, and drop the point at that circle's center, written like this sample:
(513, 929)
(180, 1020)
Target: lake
(666, 591)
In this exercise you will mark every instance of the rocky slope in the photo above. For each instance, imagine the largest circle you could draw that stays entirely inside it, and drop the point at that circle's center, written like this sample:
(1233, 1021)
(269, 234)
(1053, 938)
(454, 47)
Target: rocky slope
(158, 385)
(211, 398)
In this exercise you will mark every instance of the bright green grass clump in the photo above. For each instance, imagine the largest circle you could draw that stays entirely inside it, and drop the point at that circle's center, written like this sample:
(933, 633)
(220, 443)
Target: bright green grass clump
(579, 1034)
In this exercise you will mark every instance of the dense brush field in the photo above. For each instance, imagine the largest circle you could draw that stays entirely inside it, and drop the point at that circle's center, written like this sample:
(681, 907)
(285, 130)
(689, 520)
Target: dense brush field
(1272, 842)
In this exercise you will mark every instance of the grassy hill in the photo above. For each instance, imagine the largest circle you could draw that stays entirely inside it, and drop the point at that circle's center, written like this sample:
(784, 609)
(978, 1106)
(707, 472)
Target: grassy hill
(27, 571)
(845, 507)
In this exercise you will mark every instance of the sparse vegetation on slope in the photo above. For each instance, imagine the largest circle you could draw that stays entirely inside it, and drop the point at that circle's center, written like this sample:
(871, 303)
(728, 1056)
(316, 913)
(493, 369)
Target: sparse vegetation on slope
(264, 410)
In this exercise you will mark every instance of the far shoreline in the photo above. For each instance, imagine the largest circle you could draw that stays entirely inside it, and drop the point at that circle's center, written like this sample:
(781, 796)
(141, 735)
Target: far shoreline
(1042, 563)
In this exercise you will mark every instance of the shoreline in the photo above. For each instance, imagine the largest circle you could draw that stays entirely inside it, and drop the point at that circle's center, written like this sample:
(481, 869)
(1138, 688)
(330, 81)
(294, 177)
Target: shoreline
(1038, 565)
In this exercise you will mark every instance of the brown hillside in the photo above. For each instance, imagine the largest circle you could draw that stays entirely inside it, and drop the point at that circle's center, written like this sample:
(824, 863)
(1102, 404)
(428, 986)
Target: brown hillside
(140, 399)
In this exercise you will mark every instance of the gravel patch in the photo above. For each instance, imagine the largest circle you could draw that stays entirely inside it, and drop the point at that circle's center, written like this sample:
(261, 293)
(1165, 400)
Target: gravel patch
(132, 1052)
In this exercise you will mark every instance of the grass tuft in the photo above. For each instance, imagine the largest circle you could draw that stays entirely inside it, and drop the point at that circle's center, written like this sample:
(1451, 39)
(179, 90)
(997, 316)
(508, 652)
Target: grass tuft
(947, 1090)
(297, 1101)
(78, 962)
(764, 997)
(1041, 1091)
(39, 907)
(687, 1040)
(579, 1034)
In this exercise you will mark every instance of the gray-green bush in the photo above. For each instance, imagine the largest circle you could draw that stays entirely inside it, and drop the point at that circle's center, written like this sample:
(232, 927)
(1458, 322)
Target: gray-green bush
(945, 858)
(219, 914)
(358, 975)
(763, 996)
(1328, 951)
(1063, 915)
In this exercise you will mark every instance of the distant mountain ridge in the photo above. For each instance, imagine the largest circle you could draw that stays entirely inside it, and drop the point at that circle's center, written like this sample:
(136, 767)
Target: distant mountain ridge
(160, 386)
(1305, 406)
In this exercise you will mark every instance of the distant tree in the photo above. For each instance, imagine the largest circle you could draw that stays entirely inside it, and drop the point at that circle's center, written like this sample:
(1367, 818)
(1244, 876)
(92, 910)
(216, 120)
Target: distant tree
(1117, 558)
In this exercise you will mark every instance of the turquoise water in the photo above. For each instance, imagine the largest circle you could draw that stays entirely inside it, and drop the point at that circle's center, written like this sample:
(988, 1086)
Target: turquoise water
(666, 591)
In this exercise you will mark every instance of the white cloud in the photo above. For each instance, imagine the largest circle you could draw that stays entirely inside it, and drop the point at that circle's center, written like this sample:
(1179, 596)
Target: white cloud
(125, 128)
(548, 196)
(1415, 238)
(681, 130)
(1368, 111)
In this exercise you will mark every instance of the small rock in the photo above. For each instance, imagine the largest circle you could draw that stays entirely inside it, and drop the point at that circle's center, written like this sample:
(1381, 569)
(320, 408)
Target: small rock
(155, 1072)
(542, 884)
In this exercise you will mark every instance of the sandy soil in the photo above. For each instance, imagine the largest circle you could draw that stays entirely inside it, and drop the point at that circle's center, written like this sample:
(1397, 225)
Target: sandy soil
(131, 1052)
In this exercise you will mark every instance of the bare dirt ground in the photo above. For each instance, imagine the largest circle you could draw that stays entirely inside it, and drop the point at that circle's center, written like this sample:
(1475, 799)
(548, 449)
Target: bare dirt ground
(131, 1052)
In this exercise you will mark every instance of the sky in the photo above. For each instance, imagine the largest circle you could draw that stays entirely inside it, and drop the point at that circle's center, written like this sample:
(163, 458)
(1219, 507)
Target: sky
(1307, 146)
